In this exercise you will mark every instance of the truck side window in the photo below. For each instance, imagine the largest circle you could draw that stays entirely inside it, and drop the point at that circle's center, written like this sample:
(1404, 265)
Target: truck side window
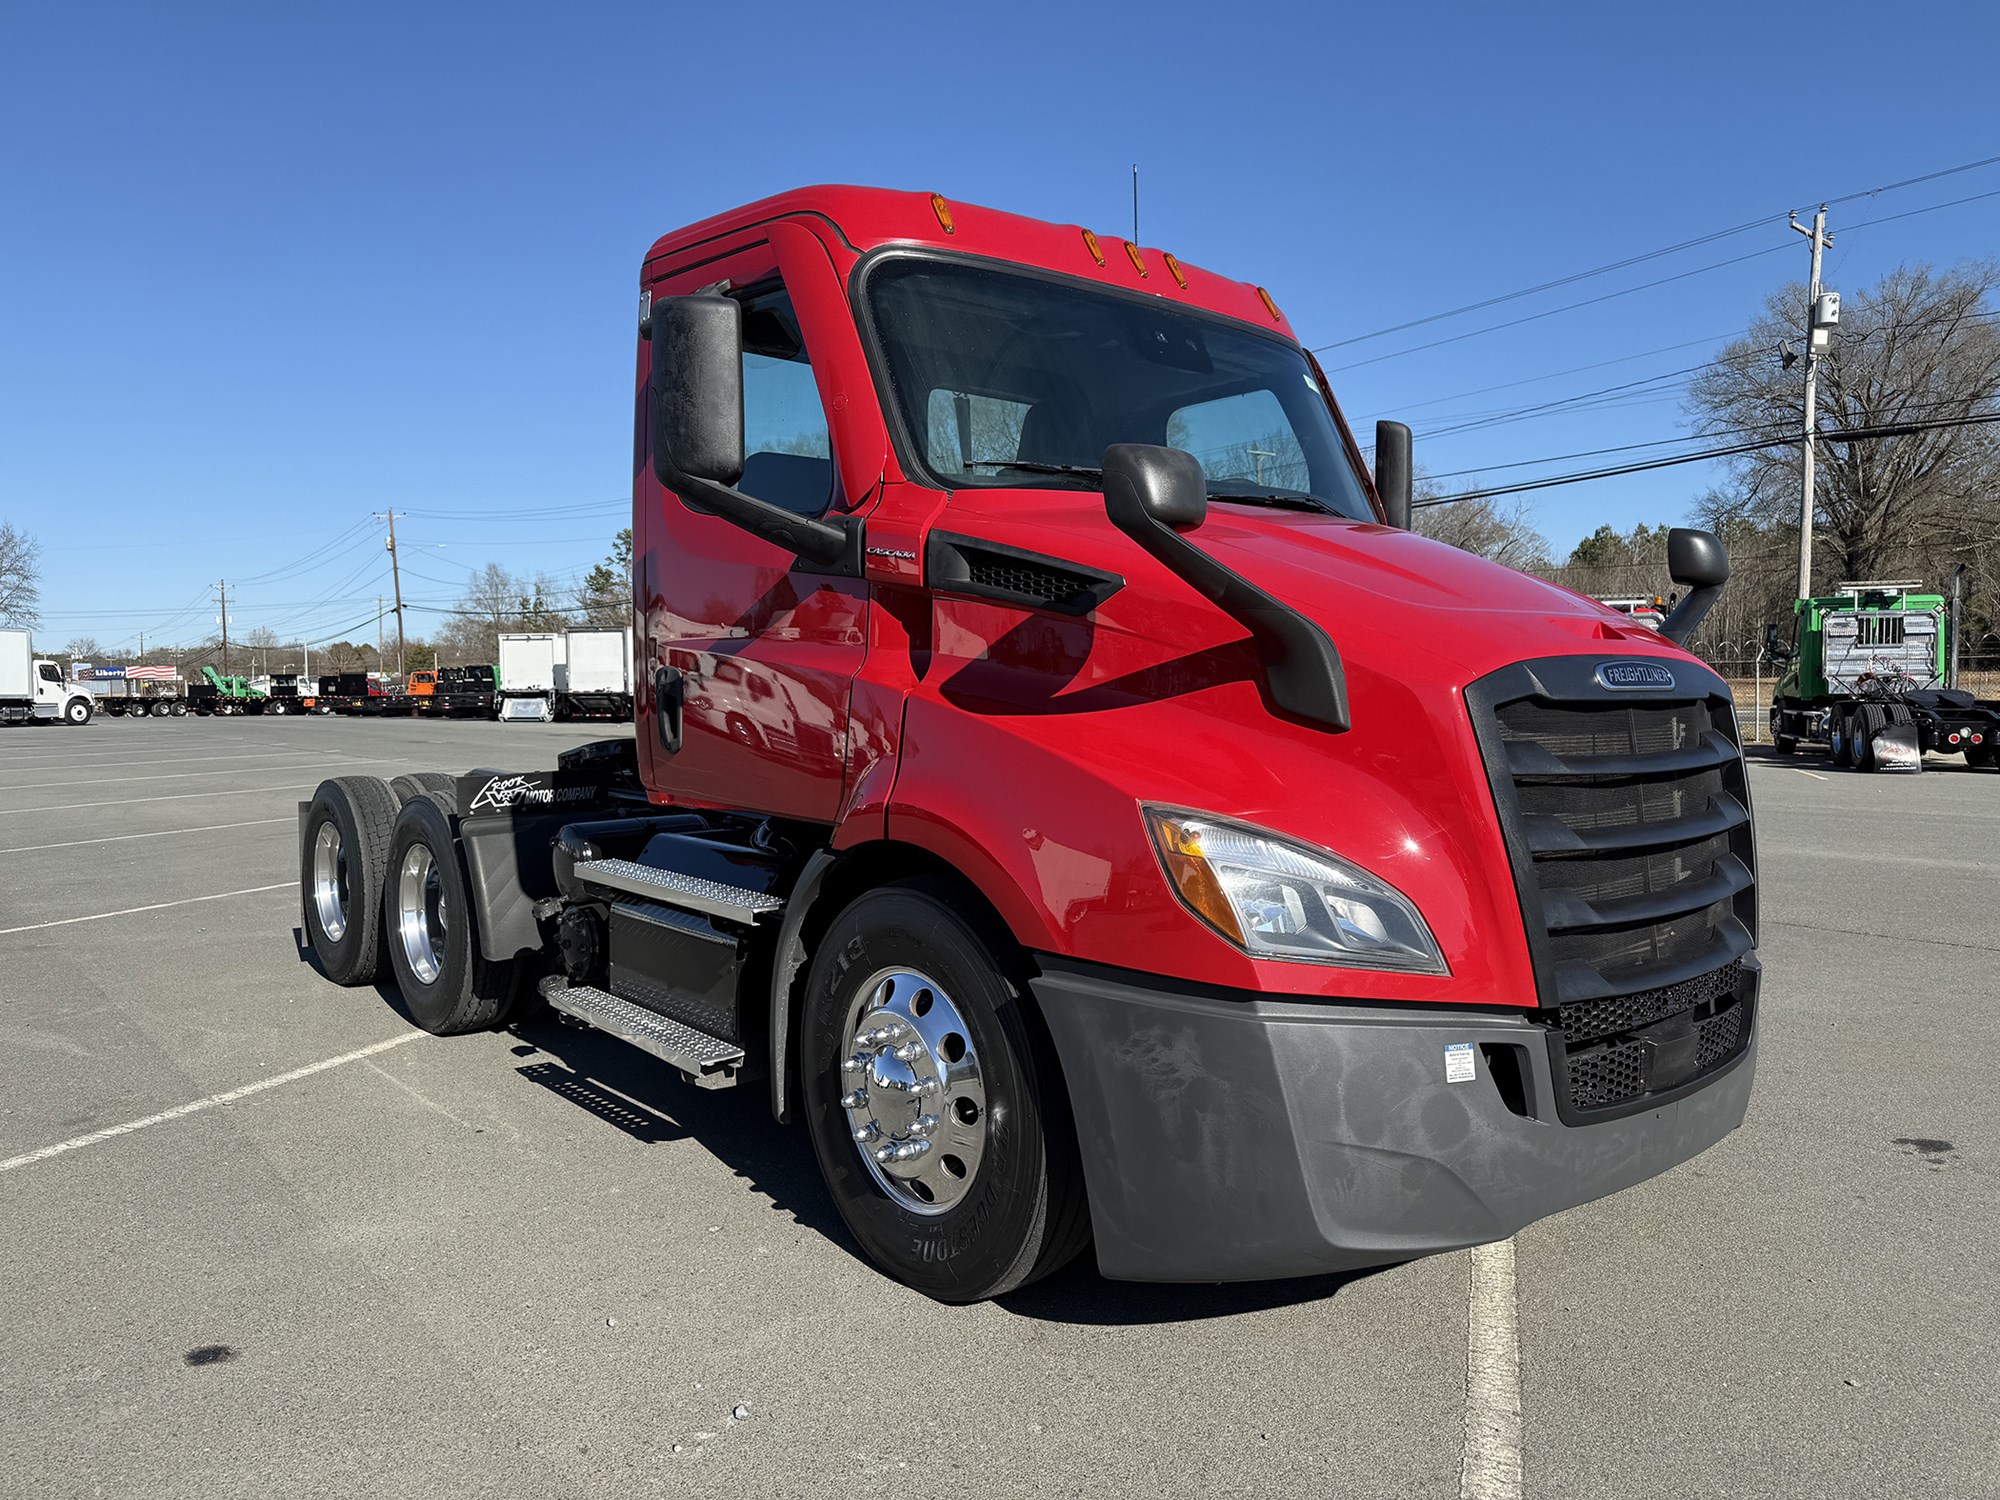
(1246, 437)
(49, 672)
(787, 451)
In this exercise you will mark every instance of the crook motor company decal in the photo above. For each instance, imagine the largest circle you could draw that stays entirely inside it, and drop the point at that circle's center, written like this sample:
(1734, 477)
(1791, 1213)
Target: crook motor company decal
(497, 791)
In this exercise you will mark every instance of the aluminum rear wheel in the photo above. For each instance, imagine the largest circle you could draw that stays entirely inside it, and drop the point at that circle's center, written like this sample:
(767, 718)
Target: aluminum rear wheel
(422, 915)
(915, 1098)
(331, 892)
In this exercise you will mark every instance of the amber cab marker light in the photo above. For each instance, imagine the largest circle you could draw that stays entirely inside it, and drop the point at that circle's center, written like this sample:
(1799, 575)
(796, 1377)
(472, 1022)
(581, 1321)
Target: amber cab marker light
(1138, 264)
(943, 211)
(1175, 267)
(1090, 244)
(1270, 306)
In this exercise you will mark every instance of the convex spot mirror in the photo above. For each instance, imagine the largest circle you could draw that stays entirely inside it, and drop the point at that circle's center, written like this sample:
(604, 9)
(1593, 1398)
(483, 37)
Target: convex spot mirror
(1143, 481)
(1696, 559)
(696, 390)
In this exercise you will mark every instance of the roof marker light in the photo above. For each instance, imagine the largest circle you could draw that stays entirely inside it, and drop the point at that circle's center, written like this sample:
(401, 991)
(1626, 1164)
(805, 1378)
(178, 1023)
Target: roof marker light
(943, 212)
(1138, 264)
(1175, 267)
(1090, 244)
(1270, 306)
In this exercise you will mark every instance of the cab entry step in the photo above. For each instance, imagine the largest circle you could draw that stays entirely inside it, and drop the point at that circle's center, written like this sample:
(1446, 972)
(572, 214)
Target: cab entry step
(708, 1061)
(672, 888)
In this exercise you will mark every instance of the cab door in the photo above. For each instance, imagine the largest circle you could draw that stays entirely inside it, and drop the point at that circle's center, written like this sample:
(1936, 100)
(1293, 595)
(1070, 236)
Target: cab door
(749, 655)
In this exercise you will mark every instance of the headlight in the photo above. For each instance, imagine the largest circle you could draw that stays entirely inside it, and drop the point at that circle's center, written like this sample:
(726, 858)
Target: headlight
(1274, 898)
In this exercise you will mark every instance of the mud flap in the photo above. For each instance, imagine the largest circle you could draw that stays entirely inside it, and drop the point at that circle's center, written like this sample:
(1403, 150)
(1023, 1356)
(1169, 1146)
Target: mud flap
(1895, 748)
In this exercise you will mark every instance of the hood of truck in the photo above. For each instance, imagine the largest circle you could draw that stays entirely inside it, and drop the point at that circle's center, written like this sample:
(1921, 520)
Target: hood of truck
(1157, 697)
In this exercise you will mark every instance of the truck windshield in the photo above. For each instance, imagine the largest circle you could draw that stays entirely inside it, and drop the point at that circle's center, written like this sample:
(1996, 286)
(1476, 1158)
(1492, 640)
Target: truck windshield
(1011, 379)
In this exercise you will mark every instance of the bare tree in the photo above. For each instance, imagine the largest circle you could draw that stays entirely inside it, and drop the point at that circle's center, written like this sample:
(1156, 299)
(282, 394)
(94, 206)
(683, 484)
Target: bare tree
(1917, 347)
(1497, 532)
(83, 648)
(20, 576)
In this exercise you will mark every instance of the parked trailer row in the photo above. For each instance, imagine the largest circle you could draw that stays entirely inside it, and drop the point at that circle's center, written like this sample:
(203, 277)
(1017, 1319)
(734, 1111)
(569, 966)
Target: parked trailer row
(566, 675)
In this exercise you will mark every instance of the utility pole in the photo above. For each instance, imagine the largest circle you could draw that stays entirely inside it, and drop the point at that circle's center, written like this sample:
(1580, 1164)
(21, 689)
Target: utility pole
(1820, 240)
(396, 575)
(1951, 662)
(378, 633)
(222, 617)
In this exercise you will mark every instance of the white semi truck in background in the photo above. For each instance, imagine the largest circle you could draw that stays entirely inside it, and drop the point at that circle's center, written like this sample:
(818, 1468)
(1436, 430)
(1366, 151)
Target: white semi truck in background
(35, 689)
(550, 675)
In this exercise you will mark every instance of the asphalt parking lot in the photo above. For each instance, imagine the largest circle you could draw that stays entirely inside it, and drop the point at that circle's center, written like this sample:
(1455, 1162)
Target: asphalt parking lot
(535, 1263)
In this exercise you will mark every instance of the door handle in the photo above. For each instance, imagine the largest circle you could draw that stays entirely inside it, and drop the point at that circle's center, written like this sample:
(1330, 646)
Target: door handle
(669, 700)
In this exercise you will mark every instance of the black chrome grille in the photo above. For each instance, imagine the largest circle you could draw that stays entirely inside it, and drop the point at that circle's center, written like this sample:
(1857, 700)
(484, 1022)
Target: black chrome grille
(1628, 826)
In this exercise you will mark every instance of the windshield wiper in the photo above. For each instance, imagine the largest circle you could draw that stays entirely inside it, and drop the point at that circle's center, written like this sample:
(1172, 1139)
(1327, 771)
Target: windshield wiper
(1289, 502)
(1029, 467)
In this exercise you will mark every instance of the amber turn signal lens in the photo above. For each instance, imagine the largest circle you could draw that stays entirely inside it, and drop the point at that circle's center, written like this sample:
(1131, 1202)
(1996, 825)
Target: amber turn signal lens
(1090, 244)
(943, 211)
(1270, 306)
(1138, 264)
(1194, 879)
(1175, 267)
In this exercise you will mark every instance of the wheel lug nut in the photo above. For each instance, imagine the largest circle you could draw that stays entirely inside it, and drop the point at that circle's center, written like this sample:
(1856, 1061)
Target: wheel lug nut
(867, 1133)
(856, 1064)
(854, 1100)
(907, 1052)
(924, 1125)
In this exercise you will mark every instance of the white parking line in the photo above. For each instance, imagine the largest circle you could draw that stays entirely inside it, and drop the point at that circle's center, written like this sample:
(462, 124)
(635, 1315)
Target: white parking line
(119, 838)
(29, 1158)
(289, 786)
(43, 786)
(1492, 1465)
(1804, 772)
(248, 890)
(9, 763)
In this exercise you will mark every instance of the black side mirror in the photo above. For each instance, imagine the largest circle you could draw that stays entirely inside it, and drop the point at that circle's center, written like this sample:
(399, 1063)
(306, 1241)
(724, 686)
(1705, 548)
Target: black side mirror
(695, 413)
(1395, 475)
(1775, 645)
(697, 390)
(1143, 482)
(1153, 495)
(1698, 560)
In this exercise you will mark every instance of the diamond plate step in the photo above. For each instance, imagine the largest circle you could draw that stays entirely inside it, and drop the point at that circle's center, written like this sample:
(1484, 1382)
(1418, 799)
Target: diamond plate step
(708, 1061)
(689, 892)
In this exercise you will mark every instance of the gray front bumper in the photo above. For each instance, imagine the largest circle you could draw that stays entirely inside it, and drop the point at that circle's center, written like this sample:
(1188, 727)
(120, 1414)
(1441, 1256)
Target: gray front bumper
(1235, 1139)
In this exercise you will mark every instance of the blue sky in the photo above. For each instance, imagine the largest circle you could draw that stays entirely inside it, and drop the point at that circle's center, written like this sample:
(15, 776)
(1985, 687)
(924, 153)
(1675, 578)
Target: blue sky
(268, 269)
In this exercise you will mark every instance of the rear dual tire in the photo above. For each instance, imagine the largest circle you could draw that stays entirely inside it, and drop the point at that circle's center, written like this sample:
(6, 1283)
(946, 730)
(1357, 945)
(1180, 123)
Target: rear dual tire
(343, 853)
(448, 986)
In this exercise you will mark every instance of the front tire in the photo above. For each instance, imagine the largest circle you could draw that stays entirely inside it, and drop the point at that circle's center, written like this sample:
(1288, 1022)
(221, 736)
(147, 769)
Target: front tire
(916, 1040)
(76, 711)
(342, 856)
(447, 985)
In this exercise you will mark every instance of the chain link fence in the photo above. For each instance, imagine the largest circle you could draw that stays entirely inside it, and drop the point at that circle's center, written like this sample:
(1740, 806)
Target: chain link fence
(1752, 679)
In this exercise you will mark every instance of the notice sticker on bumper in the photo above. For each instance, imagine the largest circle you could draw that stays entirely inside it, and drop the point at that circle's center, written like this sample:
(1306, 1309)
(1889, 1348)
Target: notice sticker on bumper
(1458, 1062)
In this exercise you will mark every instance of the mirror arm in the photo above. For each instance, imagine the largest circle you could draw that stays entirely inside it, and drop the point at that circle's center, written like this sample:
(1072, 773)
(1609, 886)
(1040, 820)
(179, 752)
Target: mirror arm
(1686, 616)
(1301, 663)
(834, 544)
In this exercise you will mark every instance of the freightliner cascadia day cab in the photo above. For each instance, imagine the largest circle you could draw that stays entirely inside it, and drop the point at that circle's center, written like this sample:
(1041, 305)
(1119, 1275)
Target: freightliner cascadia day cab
(1063, 782)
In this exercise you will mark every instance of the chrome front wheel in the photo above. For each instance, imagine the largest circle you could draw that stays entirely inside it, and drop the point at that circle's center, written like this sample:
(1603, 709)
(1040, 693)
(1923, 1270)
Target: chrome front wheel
(914, 1095)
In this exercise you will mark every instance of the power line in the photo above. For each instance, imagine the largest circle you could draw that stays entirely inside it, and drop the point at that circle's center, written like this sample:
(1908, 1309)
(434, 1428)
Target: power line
(1859, 434)
(1629, 261)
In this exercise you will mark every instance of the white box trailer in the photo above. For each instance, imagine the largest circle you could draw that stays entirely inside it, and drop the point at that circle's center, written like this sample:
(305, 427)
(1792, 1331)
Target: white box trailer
(597, 682)
(532, 671)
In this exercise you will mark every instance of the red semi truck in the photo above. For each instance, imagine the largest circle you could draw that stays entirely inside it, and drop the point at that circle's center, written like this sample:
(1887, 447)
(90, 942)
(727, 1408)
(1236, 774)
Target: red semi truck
(1066, 784)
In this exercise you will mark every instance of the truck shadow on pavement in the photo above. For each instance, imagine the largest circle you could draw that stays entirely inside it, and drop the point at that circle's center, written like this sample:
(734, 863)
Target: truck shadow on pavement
(638, 1096)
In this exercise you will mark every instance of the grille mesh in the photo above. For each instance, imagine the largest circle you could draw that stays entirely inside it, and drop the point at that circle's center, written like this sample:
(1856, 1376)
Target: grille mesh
(1587, 1020)
(1028, 580)
(1608, 730)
